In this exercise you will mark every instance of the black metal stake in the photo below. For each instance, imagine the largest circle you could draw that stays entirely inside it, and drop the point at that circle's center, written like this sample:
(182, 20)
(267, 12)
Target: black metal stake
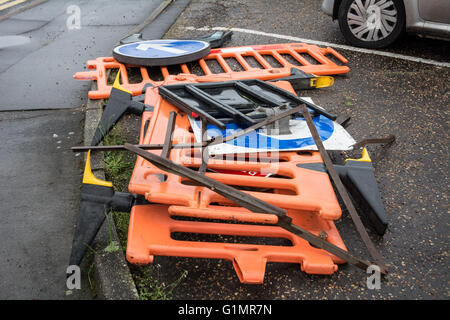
(168, 139)
(204, 150)
(388, 139)
(343, 192)
(212, 142)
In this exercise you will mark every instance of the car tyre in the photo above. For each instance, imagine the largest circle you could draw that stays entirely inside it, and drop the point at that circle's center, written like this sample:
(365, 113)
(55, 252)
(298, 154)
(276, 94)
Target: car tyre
(372, 24)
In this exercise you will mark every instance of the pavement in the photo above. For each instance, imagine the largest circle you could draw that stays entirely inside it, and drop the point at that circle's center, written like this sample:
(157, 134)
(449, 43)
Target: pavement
(39, 193)
(42, 116)
(383, 95)
(44, 67)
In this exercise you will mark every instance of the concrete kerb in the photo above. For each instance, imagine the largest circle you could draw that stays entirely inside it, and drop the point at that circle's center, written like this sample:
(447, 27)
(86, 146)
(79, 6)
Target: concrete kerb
(111, 275)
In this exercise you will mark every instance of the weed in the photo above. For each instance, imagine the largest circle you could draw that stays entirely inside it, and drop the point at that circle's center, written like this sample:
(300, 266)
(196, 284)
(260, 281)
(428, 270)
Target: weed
(112, 247)
(348, 102)
(113, 244)
(122, 220)
(89, 274)
(112, 76)
(118, 169)
(117, 166)
(152, 288)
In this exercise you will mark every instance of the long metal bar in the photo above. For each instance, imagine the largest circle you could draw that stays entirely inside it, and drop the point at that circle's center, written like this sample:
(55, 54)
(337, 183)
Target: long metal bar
(343, 192)
(120, 147)
(322, 244)
(299, 100)
(168, 139)
(235, 113)
(248, 201)
(194, 145)
(258, 125)
(388, 139)
(204, 150)
(186, 107)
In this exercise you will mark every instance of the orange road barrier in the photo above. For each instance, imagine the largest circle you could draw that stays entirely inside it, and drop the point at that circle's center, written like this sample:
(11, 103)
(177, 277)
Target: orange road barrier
(151, 232)
(306, 194)
(264, 62)
(290, 186)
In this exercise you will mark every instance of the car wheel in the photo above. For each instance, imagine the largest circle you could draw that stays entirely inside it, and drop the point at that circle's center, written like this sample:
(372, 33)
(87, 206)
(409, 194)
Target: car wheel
(371, 23)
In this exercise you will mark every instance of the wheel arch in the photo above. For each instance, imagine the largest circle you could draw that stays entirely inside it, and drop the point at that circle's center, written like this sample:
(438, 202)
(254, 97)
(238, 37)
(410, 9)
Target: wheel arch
(399, 29)
(336, 6)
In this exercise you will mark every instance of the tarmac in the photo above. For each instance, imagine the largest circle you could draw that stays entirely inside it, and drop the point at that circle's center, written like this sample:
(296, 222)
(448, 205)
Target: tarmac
(40, 176)
(39, 193)
(383, 95)
(44, 67)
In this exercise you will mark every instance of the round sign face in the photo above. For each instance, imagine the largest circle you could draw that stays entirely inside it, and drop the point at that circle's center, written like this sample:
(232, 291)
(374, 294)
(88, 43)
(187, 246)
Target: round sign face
(161, 52)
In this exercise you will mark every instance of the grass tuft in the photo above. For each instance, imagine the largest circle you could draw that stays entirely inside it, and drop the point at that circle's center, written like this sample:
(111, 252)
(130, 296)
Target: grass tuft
(118, 166)
(151, 287)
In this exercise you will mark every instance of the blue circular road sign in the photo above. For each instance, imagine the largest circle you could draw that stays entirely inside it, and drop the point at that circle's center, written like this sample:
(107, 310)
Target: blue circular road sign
(161, 52)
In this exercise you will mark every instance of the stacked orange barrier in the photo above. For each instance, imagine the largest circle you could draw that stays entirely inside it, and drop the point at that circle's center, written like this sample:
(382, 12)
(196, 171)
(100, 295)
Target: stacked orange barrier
(264, 62)
(307, 195)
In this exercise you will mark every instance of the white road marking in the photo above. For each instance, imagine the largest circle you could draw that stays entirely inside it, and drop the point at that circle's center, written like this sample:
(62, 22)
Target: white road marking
(11, 41)
(328, 44)
(243, 49)
(11, 4)
(161, 47)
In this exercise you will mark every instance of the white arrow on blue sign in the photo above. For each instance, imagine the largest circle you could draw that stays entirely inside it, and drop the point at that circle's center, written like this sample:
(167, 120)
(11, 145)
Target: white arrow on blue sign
(161, 52)
(160, 47)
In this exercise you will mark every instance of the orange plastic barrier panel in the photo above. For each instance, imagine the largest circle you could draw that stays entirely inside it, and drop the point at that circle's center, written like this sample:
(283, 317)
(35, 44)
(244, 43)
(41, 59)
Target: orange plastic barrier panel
(289, 186)
(307, 195)
(264, 62)
(152, 232)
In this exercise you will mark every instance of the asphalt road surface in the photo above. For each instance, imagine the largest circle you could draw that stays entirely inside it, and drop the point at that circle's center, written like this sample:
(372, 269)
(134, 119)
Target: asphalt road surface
(383, 95)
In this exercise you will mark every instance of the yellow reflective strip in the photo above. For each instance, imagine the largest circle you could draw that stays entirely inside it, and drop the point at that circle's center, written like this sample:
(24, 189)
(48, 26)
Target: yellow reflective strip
(11, 4)
(364, 157)
(322, 82)
(88, 176)
(117, 85)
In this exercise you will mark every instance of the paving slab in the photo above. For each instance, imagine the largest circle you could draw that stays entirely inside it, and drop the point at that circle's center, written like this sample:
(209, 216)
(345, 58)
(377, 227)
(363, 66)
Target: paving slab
(40, 175)
(39, 74)
(39, 193)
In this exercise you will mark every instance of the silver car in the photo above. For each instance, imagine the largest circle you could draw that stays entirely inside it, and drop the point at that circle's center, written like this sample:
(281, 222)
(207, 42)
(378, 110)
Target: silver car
(378, 23)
